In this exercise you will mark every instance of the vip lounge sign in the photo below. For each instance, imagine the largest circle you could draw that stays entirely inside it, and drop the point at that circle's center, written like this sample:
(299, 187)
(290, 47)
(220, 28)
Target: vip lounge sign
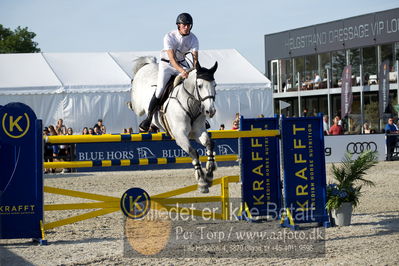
(346, 93)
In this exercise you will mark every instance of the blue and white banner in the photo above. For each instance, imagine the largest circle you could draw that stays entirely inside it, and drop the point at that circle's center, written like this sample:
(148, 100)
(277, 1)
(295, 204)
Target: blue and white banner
(337, 146)
(147, 150)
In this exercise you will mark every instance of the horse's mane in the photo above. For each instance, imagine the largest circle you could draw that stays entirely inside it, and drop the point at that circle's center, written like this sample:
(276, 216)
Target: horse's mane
(142, 61)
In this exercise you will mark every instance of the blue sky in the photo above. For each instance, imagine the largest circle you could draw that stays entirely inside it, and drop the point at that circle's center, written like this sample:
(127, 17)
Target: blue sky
(128, 25)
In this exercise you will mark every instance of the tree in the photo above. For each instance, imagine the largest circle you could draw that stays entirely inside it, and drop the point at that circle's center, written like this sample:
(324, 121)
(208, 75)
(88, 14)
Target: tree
(18, 41)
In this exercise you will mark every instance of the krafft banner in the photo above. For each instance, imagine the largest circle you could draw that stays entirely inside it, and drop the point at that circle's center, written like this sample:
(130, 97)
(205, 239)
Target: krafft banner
(304, 169)
(383, 88)
(21, 176)
(346, 91)
(260, 169)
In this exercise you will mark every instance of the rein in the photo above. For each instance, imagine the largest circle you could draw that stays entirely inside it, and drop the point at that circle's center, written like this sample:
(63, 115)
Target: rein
(193, 100)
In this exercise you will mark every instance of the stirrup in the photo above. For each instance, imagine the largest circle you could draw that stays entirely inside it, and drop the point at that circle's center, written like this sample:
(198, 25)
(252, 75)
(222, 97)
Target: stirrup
(145, 125)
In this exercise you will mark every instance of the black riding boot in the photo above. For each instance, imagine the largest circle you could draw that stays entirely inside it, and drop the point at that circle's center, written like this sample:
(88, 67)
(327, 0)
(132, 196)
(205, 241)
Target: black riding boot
(145, 125)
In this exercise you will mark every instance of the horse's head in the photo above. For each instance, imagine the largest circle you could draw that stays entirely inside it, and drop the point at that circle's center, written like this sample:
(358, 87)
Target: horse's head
(205, 88)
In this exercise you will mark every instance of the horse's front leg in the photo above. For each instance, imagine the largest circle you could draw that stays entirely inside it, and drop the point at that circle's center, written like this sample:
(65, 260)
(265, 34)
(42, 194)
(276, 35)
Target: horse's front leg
(184, 143)
(206, 141)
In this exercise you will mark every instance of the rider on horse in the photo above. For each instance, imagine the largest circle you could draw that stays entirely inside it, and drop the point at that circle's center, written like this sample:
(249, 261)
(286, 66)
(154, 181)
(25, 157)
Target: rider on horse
(177, 44)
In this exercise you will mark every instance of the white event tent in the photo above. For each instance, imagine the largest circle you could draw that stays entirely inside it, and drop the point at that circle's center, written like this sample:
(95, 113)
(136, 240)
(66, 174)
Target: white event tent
(83, 87)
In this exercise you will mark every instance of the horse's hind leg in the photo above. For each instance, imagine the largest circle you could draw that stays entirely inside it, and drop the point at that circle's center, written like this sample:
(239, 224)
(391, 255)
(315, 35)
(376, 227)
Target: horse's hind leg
(184, 143)
(206, 141)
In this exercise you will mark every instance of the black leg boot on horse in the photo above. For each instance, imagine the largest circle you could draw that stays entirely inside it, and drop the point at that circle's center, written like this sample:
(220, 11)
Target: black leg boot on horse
(145, 125)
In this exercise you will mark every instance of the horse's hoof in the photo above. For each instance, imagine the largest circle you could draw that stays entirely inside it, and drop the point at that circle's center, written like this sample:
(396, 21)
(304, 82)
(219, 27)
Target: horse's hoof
(203, 189)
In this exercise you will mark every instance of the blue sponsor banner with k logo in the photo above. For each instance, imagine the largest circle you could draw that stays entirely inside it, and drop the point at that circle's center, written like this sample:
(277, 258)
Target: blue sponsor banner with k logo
(21, 174)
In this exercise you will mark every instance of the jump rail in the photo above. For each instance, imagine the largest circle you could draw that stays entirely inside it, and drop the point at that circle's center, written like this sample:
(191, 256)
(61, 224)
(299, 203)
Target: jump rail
(216, 134)
(147, 161)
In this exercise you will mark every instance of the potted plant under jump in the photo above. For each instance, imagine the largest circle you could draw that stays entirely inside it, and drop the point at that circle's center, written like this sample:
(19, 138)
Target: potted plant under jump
(343, 195)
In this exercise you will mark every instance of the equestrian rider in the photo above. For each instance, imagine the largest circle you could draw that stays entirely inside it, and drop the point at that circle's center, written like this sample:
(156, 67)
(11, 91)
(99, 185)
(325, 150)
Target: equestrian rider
(176, 44)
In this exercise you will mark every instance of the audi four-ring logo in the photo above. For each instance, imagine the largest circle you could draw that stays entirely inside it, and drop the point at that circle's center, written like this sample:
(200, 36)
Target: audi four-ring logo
(359, 147)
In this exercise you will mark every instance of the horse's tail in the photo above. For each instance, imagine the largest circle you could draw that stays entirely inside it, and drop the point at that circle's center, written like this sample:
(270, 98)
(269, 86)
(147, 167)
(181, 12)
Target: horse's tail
(142, 61)
(141, 94)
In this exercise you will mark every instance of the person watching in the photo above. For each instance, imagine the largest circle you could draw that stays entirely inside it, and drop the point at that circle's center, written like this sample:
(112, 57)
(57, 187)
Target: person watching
(390, 127)
(336, 129)
(85, 131)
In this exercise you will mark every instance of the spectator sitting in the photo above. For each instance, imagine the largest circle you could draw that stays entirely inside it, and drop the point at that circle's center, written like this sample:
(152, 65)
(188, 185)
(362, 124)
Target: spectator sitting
(221, 127)
(48, 150)
(317, 78)
(54, 148)
(236, 125)
(91, 131)
(60, 127)
(62, 148)
(325, 125)
(70, 151)
(336, 129)
(99, 124)
(305, 112)
(97, 130)
(103, 130)
(46, 132)
(69, 131)
(366, 128)
(85, 131)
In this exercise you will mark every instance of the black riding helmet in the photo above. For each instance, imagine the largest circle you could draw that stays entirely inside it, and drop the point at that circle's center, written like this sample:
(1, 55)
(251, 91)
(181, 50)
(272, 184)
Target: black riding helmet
(184, 18)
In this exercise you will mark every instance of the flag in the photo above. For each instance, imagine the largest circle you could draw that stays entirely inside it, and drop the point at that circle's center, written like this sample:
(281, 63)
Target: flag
(283, 105)
(383, 88)
(346, 91)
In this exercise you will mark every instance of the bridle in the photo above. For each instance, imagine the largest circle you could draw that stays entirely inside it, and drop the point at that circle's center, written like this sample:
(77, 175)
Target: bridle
(209, 96)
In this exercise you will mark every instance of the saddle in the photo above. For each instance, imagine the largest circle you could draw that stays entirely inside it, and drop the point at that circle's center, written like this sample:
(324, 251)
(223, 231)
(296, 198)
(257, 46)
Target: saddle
(170, 85)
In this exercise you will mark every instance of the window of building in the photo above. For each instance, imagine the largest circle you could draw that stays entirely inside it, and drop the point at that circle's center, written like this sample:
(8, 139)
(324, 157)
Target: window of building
(355, 60)
(335, 105)
(324, 66)
(354, 120)
(274, 74)
(388, 53)
(315, 104)
(370, 65)
(371, 111)
(338, 60)
(311, 68)
(286, 75)
(299, 71)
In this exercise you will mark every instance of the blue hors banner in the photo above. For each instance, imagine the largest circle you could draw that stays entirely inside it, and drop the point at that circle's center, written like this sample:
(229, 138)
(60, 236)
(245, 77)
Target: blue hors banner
(147, 150)
(21, 172)
(260, 169)
(304, 169)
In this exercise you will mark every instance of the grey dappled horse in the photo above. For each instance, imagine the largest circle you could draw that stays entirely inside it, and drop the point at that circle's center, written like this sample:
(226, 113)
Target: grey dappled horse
(184, 113)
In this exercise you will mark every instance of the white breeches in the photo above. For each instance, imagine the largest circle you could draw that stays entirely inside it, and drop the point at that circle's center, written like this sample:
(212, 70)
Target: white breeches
(165, 71)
